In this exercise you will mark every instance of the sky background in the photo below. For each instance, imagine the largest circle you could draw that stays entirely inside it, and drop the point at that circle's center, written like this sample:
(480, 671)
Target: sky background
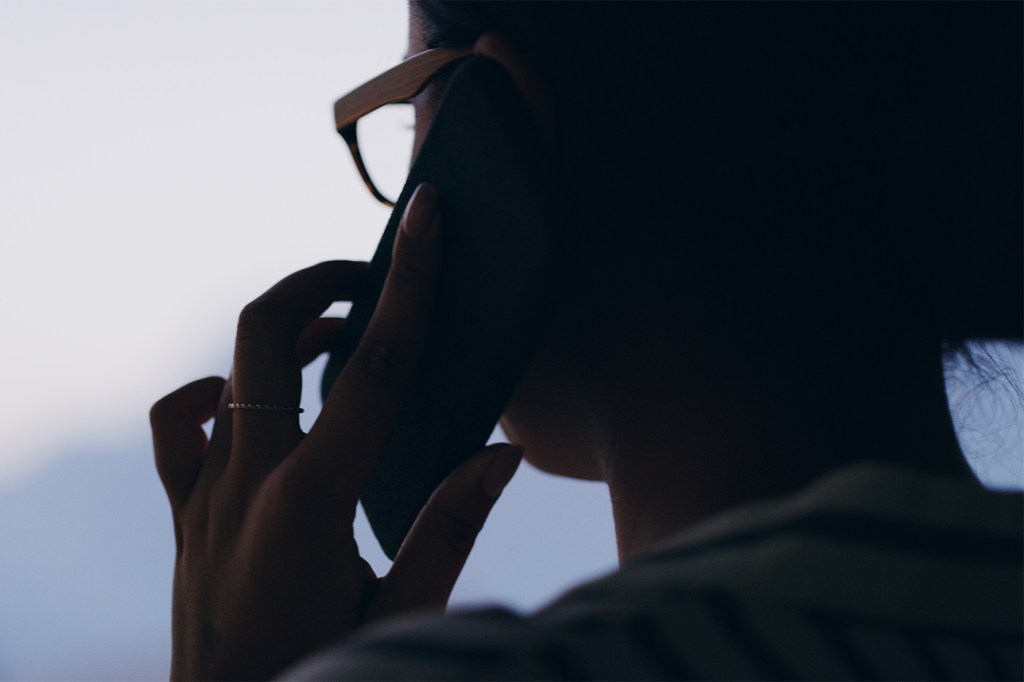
(161, 164)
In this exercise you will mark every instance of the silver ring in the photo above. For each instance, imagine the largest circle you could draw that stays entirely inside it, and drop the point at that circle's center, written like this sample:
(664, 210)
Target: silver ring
(264, 408)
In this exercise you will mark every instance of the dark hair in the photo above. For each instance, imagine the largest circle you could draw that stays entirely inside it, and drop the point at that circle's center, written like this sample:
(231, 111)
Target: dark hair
(849, 167)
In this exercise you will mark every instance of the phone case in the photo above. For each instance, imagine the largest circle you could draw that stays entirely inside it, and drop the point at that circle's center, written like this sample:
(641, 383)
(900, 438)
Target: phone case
(498, 275)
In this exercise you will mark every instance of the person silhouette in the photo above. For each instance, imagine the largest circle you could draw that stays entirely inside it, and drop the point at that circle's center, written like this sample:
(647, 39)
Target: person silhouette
(783, 218)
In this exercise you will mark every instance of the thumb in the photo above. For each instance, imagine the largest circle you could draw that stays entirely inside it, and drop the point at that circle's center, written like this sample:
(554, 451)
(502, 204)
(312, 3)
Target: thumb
(179, 442)
(435, 550)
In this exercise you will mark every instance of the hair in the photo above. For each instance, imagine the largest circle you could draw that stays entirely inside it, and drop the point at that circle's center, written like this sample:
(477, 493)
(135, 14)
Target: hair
(849, 169)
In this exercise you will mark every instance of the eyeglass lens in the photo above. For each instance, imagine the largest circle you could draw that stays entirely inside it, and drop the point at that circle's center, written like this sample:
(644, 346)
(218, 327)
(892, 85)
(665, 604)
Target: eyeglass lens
(386, 139)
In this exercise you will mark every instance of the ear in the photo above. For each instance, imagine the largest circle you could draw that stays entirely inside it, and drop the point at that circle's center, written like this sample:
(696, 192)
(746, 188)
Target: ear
(494, 47)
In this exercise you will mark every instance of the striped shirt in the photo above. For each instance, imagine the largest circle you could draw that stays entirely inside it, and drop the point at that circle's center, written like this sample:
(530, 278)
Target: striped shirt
(873, 572)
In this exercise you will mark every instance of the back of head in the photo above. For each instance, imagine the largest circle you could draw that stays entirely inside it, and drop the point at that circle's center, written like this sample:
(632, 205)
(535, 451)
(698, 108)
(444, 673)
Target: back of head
(847, 171)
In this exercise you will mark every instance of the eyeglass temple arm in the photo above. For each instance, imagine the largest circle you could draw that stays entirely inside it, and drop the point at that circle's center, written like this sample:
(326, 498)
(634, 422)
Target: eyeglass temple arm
(398, 84)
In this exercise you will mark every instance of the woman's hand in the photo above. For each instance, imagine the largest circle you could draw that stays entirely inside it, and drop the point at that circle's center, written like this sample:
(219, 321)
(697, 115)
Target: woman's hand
(267, 569)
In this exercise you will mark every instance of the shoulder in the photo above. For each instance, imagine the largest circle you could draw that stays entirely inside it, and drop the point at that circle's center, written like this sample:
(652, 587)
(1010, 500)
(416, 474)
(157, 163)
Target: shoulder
(871, 573)
(470, 645)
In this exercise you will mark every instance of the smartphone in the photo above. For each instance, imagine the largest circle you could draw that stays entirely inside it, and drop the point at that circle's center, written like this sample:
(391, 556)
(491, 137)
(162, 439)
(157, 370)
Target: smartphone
(498, 279)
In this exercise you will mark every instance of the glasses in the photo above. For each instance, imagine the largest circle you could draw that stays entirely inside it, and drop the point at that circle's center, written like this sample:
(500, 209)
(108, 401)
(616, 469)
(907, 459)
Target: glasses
(397, 85)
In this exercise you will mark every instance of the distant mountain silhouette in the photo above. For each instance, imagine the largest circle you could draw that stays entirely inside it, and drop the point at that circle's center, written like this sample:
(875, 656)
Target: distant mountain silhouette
(87, 553)
(86, 558)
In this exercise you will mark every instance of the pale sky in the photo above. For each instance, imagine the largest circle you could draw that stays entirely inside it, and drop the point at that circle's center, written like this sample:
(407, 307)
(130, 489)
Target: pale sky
(161, 163)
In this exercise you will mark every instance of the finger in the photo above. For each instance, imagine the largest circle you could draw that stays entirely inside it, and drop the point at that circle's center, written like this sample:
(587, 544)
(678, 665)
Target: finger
(179, 442)
(433, 554)
(317, 338)
(220, 438)
(314, 340)
(361, 407)
(267, 366)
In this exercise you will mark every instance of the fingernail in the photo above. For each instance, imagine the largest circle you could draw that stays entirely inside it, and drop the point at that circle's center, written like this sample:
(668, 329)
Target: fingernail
(420, 215)
(501, 469)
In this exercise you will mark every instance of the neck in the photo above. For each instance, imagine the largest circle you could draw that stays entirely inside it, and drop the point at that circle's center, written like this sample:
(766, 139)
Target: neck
(684, 455)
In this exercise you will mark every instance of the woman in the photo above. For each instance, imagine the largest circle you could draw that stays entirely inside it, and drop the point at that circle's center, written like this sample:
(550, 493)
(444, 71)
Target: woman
(820, 201)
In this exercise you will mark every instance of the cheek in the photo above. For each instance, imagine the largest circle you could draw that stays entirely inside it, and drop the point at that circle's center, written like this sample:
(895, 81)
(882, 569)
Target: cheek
(424, 104)
(545, 419)
(420, 133)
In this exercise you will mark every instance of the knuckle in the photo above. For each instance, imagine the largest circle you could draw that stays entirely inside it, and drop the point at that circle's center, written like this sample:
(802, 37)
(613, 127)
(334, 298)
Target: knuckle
(378, 359)
(250, 319)
(406, 270)
(279, 499)
(293, 499)
(455, 530)
(159, 410)
(185, 402)
(258, 315)
(166, 408)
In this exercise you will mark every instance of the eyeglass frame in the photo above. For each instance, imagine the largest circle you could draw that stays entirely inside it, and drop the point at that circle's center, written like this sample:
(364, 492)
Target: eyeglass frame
(396, 85)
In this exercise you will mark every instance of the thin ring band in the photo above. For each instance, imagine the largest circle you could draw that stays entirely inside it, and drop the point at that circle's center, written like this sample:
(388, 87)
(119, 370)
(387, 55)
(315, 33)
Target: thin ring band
(264, 408)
